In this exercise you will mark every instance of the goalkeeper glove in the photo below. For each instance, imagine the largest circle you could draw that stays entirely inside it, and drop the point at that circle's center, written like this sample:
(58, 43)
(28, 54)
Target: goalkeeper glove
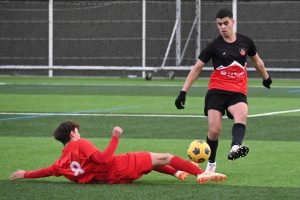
(267, 82)
(179, 102)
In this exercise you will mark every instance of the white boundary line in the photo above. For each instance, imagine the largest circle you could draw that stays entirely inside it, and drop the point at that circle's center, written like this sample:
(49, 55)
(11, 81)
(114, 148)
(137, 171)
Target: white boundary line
(136, 115)
(99, 114)
(275, 113)
(134, 85)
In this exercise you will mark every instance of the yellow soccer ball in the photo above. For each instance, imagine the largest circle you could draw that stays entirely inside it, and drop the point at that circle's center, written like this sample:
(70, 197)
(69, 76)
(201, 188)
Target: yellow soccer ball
(198, 151)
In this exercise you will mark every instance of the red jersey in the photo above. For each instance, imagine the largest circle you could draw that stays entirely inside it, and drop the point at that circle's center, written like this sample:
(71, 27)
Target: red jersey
(229, 62)
(76, 162)
(82, 162)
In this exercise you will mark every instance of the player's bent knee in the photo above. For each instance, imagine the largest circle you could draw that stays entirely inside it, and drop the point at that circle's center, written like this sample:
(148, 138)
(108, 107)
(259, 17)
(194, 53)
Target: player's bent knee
(169, 155)
(214, 131)
(167, 158)
(241, 117)
(159, 159)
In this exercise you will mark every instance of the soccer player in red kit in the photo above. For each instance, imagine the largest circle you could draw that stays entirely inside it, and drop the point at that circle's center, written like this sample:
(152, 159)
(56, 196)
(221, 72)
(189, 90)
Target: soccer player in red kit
(227, 88)
(82, 162)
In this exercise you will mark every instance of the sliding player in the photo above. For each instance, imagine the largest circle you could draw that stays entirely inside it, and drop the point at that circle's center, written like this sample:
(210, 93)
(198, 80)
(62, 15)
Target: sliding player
(82, 162)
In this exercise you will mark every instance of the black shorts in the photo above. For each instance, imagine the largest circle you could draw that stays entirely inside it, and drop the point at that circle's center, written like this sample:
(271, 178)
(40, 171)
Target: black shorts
(220, 100)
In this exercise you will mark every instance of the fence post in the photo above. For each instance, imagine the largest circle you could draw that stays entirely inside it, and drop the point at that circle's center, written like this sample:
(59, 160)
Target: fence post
(178, 32)
(234, 11)
(144, 39)
(198, 29)
(50, 51)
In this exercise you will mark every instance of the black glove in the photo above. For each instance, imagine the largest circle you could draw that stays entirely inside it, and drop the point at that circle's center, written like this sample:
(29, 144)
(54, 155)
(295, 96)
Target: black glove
(267, 82)
(179, 102)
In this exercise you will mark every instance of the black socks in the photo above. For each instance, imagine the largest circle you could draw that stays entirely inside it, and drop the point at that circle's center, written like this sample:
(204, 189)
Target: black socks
(238, 133)
(213, 147)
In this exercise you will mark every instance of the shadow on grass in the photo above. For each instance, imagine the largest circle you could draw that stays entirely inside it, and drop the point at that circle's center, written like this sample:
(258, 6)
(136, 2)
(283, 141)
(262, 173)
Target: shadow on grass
(38, 189)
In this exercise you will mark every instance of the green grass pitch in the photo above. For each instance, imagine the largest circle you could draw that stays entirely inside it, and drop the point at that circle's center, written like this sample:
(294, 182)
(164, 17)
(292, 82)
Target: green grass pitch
(31, 109)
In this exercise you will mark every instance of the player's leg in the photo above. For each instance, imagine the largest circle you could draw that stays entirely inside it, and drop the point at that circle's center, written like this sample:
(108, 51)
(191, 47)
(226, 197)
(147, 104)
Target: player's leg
(166, 169)
(214, 129)
(162, 159)
(214, 109)
(239, 111)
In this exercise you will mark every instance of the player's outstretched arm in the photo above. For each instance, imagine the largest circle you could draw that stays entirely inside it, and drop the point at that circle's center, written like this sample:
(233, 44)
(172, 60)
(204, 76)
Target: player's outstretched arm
(260, 68)
(19, 174)
(193, 75)
(105, 156)
(39, 173)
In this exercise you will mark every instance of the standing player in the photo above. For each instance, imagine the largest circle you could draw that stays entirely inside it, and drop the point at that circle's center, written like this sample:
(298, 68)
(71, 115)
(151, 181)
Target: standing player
(82, 162)
(227, 88)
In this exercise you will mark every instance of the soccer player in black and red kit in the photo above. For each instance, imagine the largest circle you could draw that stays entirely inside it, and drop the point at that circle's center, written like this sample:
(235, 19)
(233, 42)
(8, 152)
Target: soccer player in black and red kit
(227, 88)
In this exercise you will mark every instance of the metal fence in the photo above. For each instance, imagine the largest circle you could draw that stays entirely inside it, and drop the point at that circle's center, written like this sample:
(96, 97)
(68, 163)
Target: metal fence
(110, 33)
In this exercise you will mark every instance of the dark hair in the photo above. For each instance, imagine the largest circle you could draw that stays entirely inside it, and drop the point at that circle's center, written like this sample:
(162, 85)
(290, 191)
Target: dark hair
(224, 13)
(62, 132)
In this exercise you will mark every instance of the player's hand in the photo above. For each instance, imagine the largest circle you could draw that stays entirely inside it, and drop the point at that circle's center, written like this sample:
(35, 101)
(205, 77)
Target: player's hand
(267, 82)
(117, 132)
(180, 101)
(19, 174)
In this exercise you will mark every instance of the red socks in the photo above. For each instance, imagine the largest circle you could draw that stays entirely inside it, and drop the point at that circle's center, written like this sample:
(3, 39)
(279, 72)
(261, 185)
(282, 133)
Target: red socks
(166, 170)
(184, 165)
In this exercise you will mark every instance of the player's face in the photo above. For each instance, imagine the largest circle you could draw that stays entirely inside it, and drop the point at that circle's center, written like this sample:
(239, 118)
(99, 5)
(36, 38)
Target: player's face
(225, 26)
(76, 134)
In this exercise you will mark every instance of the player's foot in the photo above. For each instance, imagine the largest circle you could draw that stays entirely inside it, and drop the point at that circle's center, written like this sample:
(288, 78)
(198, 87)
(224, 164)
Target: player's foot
(238, 151)
(219, 177)
(211, 167)
(181, 175)
(210, 176)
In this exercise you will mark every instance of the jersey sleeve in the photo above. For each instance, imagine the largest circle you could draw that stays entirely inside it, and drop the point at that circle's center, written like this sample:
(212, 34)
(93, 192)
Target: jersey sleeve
(252, 48)
(105, 156)
(87, 148)
(43, 172)
(206, 54)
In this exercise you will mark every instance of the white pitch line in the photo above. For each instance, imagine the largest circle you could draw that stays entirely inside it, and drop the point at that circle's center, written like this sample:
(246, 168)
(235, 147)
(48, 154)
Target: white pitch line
(274, 113)
(134, 85)
(97, 115)
(136, 115)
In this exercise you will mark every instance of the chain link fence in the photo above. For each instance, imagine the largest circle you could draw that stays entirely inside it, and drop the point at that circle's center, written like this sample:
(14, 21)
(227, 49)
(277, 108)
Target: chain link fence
(109, 33)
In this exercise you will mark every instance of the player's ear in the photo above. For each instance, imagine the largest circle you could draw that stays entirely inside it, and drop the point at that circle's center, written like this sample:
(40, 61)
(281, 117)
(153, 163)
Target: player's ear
(72, 133)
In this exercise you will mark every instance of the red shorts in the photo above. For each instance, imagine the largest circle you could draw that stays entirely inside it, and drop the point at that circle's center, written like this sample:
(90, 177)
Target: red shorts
(126, 168)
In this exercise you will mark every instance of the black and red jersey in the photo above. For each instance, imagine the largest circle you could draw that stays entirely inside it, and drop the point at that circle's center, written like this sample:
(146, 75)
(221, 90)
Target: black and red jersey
(229, 62)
